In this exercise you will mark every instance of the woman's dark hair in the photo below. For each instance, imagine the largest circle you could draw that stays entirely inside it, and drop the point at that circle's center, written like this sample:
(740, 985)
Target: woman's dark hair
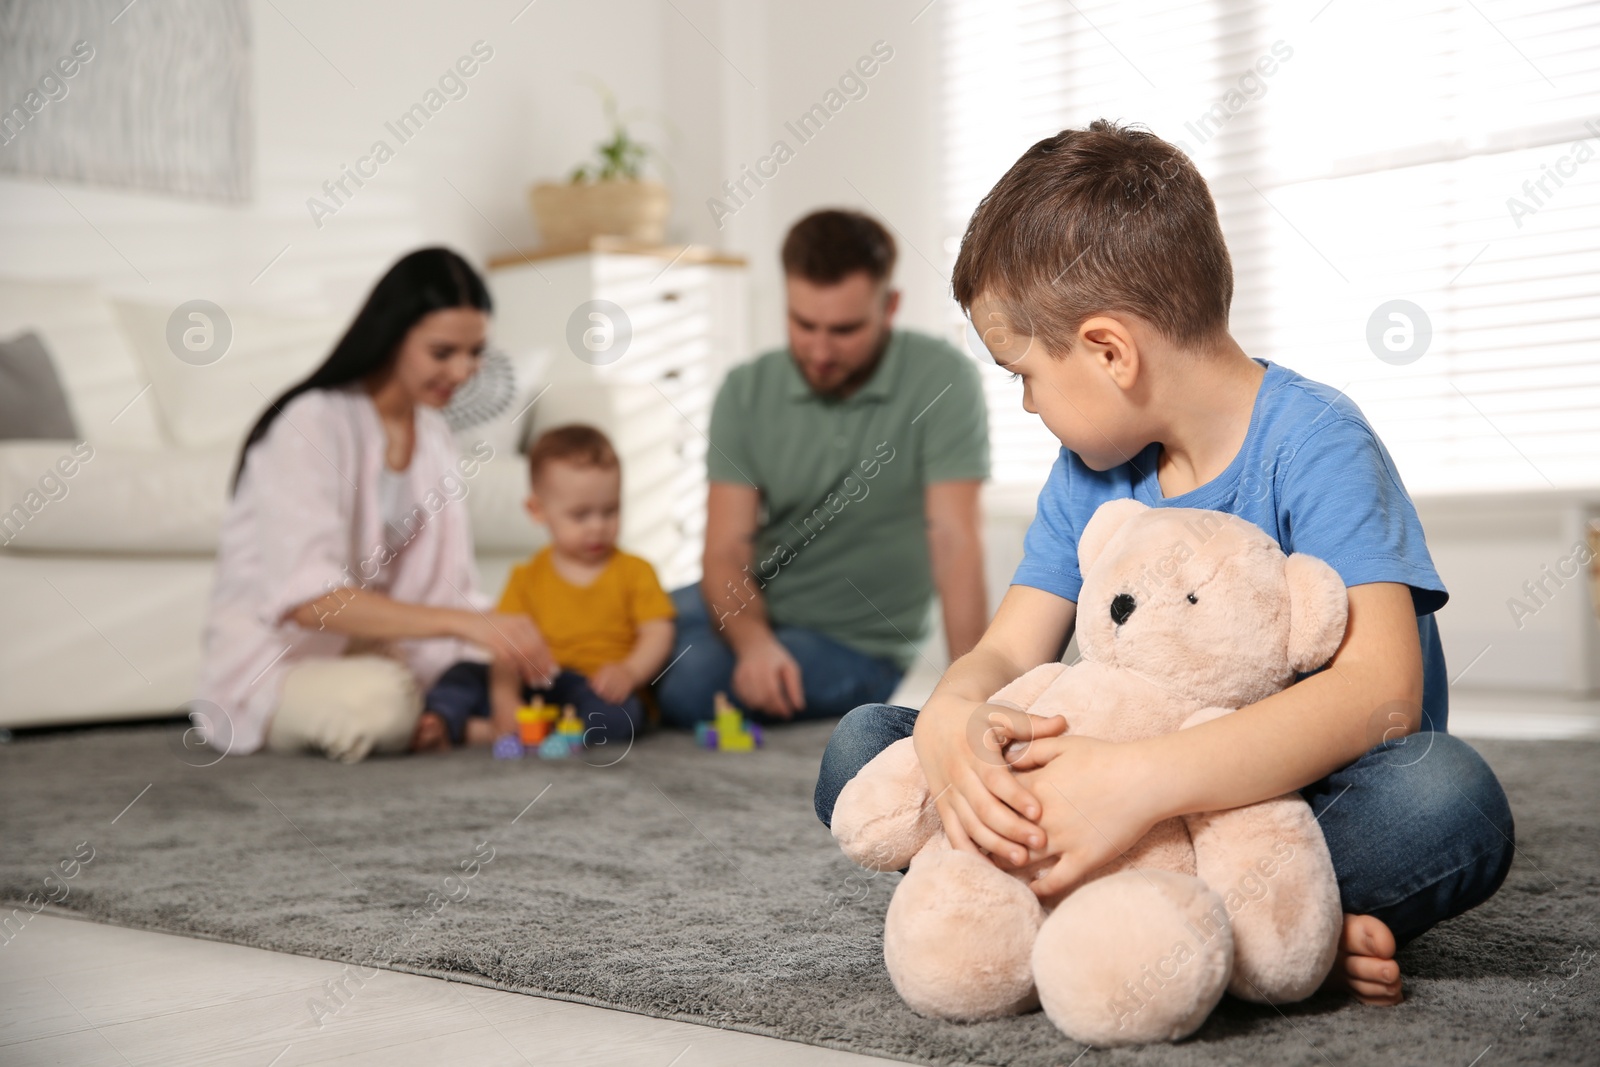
(422, 282)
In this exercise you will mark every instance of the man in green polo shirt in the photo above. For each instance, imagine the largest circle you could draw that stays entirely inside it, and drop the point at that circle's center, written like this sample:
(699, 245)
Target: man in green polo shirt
(844, 473)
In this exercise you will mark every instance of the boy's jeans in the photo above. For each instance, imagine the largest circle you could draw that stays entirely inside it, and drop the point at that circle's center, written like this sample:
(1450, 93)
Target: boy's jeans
(835, 677)
(462, 693)
(1418, 828)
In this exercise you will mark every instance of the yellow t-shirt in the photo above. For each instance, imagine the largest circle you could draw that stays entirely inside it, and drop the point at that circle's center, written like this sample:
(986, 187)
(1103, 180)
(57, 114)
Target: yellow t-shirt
(591, 625)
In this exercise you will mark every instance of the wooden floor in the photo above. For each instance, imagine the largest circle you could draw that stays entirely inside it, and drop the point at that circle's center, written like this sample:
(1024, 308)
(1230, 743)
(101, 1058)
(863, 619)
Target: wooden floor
(84, 994)
(79, 993)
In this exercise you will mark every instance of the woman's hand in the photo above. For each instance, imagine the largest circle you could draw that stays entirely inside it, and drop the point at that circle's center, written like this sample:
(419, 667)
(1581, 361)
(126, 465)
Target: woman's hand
(1097, 798)
(766, 678)
(965, 759)
(505, 698)
(514, 640)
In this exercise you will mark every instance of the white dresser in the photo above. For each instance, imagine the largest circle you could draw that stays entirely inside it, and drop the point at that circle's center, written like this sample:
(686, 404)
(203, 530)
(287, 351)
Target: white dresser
(635, 340)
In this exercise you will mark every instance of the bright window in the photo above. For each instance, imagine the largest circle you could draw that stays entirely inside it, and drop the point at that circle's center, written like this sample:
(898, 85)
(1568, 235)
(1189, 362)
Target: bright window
(1442, 153)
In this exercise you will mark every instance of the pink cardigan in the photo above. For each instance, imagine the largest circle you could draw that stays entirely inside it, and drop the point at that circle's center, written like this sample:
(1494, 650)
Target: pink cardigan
(305, 522)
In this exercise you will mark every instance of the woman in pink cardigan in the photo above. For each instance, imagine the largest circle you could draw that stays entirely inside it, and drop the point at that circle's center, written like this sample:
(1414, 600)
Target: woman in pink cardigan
(345, 577)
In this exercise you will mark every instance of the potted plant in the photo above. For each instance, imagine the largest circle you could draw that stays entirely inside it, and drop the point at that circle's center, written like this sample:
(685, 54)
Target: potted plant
(608, 196)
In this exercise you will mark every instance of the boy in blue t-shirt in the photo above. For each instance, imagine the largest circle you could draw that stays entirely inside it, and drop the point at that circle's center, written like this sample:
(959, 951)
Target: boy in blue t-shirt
(1097, 272)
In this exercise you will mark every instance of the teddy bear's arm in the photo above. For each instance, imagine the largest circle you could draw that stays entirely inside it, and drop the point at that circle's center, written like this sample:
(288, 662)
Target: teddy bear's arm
(1025, 691)
(885, 814)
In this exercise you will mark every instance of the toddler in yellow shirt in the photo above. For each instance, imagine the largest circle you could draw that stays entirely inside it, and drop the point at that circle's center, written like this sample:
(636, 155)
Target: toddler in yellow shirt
(602, 612)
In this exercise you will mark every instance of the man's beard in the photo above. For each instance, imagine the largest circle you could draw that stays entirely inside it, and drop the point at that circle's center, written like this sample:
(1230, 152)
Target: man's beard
(858, 377)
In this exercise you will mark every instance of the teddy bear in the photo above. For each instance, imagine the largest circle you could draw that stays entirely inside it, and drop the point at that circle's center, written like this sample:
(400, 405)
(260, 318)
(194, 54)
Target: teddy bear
(1184, 615)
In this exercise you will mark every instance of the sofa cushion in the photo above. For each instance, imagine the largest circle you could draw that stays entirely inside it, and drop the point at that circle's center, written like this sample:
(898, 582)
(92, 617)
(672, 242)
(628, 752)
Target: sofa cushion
(67, 497)
(74, 497)
(105, 387)
(32, 404)
(500, 525)
(214, 404)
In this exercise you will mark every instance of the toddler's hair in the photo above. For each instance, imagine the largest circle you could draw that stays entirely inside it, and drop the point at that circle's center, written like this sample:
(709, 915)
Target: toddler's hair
(828, 246)
(580, 445)
(1106, 219)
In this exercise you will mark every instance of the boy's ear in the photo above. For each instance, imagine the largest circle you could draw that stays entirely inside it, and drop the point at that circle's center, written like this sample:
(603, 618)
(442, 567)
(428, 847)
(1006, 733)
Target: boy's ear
(1107, 520)
(532, 507)
(1319, 607)
(1113, 346)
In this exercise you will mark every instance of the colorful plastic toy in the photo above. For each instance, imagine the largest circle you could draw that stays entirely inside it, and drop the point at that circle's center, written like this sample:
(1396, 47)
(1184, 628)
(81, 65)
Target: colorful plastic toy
(560, 746)
(728, 732)
(570, 725)
(567, 739)
(534, 722)
(508, 747)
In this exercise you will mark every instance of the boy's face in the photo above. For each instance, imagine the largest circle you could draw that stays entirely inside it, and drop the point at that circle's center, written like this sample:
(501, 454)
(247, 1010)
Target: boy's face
(1081, 395)
(581, 506)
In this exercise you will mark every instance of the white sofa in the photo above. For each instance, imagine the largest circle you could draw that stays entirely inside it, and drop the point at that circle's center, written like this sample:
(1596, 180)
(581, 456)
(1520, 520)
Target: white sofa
(105, 571)
(104, 579)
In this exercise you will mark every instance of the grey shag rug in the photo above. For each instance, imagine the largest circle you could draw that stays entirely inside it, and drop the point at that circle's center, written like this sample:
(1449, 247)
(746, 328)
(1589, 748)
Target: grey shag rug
(699, 886)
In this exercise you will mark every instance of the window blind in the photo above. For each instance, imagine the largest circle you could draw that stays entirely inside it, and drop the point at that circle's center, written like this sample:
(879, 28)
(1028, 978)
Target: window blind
(1410, 192)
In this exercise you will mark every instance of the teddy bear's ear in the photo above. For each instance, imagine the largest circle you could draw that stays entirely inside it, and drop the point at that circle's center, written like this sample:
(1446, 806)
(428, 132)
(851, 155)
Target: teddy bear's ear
(1319, 605)
(1107, 520)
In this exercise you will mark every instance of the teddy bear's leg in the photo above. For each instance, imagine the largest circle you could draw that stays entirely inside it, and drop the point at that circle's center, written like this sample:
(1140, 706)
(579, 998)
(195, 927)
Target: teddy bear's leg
(1138, 956)
(884, 815)
(1271, 865)
(958, 937)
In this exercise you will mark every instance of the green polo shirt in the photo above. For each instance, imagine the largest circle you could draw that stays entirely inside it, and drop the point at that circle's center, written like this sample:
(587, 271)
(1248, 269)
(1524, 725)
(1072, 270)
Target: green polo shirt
(842, 546)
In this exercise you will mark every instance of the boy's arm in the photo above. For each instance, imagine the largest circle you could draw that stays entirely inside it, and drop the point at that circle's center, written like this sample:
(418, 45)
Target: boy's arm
(614, 682)
(650, 650)
(980, 802)
(1101, 797)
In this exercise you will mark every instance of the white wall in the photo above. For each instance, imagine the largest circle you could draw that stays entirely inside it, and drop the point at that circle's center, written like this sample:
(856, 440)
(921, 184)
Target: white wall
(877, 153)
(525, 116)
(1520, 615)
(724, 75)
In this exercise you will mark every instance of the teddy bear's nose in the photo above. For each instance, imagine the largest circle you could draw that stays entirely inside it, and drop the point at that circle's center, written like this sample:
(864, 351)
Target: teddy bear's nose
(1122, 606)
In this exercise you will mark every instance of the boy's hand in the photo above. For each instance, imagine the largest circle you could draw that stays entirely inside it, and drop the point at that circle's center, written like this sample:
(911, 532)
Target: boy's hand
(613, 683)
(766, 678)
(981, 803)
(1008, 730)
(1097, 804)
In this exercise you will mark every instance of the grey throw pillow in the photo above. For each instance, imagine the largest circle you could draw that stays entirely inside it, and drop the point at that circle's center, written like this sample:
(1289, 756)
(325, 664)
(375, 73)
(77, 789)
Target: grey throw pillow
(32, 405)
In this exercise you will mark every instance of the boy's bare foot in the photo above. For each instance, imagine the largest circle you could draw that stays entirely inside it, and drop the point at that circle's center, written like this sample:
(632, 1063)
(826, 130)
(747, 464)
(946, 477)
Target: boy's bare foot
(479, 732)
(430, 734)
(1365, 965)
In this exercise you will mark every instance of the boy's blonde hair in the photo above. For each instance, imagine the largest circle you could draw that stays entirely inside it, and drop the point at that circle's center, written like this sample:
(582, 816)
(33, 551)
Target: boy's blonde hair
(1099, 220)
(580, 445)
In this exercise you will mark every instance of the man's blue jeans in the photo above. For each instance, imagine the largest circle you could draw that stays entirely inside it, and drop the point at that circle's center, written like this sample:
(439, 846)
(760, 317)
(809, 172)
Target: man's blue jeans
(1418, 828)
(835, 677)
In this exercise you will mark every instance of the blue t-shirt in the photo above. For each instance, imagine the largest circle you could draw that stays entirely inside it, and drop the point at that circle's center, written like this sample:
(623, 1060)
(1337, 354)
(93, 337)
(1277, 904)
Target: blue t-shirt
(1311, 473)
